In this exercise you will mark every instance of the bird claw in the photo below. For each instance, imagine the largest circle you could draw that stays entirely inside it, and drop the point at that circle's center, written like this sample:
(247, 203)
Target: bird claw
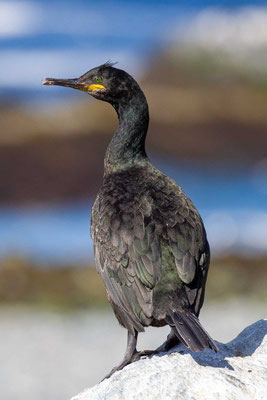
(136, 356)
(139, 354)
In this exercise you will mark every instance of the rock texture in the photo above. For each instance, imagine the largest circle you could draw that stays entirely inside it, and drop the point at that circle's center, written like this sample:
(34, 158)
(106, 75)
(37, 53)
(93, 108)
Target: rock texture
(237, 371)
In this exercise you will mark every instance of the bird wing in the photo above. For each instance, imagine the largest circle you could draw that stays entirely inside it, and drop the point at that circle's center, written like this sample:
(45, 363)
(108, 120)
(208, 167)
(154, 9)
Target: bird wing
(128, 236)
(187, 240)
(127, 254)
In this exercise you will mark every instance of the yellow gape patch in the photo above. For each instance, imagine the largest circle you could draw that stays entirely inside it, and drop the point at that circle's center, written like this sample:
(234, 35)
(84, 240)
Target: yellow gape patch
(91, 88)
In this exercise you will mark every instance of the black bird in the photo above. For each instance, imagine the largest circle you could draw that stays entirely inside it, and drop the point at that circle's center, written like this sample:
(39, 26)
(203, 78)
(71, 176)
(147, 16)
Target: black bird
(149, 240)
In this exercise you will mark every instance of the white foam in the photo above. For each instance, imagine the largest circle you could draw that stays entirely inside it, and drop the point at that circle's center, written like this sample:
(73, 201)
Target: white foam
(245, 28)
(18, 18)
(241, 231)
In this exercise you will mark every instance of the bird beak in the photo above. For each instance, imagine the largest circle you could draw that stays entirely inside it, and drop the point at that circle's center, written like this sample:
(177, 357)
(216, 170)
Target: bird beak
(73, 83)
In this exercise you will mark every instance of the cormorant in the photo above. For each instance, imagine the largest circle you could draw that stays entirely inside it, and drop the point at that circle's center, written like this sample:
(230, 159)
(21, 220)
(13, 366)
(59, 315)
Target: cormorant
(149, 240)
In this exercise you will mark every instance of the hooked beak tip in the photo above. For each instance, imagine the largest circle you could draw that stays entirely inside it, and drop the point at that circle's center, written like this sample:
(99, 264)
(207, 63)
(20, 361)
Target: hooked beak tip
(47, 81)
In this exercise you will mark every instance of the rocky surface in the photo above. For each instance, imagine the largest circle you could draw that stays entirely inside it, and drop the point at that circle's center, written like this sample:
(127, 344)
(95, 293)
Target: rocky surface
(237, 371)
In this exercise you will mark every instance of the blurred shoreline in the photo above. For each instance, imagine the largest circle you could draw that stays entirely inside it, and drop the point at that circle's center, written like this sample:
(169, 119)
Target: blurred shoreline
(79, 287)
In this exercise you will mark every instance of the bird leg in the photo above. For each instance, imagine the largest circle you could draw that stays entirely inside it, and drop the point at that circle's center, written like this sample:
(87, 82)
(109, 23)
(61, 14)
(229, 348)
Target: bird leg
(171, 342)
(131, 354)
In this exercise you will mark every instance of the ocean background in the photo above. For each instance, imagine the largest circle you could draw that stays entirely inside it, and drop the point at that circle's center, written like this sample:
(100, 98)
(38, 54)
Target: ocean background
(66, 38)
(232, 204)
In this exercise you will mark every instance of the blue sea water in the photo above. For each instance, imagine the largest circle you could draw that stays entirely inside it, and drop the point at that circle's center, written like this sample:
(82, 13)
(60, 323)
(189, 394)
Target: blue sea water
(65, 38)
(232, 204)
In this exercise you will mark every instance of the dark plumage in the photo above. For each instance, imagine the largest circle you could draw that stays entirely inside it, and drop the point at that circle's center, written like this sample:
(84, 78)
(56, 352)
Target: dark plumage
(149, 240)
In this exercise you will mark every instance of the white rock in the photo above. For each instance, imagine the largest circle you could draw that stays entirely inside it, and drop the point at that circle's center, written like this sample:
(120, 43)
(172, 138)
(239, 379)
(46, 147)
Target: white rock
(237, 372)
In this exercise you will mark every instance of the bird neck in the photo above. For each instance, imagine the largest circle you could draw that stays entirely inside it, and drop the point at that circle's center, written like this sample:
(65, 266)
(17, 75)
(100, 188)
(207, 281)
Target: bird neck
(127, 147)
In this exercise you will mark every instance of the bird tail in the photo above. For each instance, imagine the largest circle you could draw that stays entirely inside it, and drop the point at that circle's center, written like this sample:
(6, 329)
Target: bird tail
(189, 331)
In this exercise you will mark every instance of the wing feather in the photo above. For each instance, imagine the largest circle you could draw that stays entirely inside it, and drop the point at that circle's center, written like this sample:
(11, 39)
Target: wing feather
(128, 230)
(128, 257)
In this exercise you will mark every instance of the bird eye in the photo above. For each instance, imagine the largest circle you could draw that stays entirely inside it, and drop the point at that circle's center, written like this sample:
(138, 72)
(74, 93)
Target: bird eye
(98, 79)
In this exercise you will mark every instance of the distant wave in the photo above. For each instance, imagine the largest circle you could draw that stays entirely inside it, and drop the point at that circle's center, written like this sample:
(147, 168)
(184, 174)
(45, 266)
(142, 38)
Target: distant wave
(61, 234)
(243, 231)
(18, 18)
(242, 29)
(127, 32)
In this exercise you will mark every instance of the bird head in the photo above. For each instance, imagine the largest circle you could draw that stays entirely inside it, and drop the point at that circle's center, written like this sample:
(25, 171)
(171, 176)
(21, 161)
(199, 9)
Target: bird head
(104, 83)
